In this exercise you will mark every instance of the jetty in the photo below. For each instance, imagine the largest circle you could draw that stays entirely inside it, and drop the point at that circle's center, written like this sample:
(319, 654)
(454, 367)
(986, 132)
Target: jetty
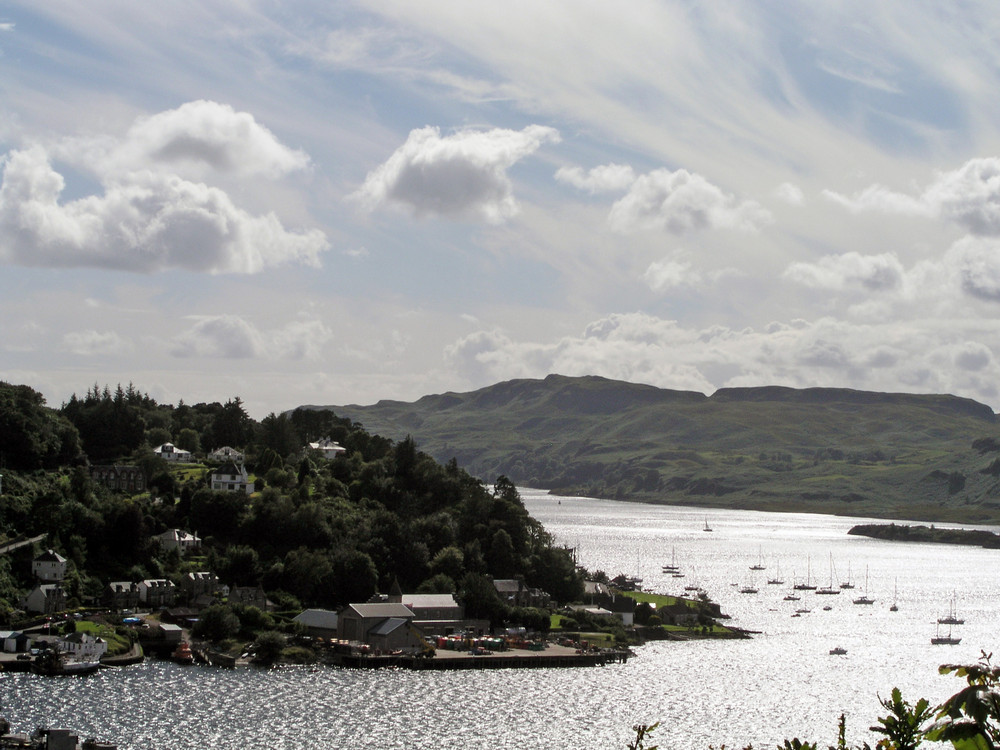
(552, 657)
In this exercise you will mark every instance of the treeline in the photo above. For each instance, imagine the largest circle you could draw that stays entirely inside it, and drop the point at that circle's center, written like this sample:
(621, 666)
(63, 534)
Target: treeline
(319, 533)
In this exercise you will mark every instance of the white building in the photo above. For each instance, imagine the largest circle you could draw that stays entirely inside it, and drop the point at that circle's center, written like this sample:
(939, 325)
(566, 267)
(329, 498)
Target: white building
(231, 477)
(182, 541)
(83, 646)
(329, 448)
(49, 567)
(225, 453)
(170, 452)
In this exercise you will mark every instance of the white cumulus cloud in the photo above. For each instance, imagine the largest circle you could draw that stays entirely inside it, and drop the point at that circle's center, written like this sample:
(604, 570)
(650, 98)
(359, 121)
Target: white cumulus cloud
(144, 221)
(93, 343)
(460, 175)
(605, 178)
(837, 272)
(234, 337)
(680, 202)
(969, 196)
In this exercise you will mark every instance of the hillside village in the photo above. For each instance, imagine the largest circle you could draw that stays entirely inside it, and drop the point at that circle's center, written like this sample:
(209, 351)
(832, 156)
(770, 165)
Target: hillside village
(303, 539)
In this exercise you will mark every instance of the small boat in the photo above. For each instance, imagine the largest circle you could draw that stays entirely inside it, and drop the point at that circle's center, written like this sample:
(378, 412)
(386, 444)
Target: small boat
(54, 663)
(894, 607)
(792, 598)
(803, 611)
(864, 598)
(827, 608)
(759, 565)
(808, 585)
(951, 618)
(948, 640)
(829, 590)
(838, 651)
(672, 567)
(776, 581)
(848, 584)
(182, 654)
(748, 590)
(707, 527)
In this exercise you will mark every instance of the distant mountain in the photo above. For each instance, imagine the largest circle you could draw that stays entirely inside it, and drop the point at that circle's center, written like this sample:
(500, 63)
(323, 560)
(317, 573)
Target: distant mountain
(833, 450)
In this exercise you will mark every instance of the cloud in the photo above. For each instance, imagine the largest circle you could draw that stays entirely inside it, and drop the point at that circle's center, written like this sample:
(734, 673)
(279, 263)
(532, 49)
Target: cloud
(973, 356)
(671, 273)
(233, 337)
(837, 272)
(202, 137)
(969, 196)
(144, 221)
(976, 263)
(93, 343)
(605, 178)
(461, 175)
(681, 202)
(790, 193)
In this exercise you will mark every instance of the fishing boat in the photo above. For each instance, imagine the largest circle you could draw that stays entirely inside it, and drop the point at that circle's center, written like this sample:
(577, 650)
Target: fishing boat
(54, 663)
(838, 651)
(951, 618)
(182, 654)
(947, 640)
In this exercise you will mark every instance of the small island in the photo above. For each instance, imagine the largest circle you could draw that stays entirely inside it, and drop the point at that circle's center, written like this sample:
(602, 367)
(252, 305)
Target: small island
(928, 534)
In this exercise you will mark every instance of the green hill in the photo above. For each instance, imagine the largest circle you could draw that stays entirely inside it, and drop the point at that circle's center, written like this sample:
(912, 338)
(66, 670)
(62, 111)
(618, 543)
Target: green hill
(892, 455)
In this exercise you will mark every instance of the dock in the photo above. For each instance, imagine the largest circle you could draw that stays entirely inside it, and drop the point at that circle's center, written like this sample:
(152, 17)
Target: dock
(554, 657)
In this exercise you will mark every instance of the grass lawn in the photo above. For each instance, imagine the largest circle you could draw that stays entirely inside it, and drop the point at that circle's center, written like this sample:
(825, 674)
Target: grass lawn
(116, 644)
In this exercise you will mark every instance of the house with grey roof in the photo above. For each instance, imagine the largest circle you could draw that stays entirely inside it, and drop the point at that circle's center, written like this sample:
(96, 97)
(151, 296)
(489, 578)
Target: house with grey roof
(49, 567)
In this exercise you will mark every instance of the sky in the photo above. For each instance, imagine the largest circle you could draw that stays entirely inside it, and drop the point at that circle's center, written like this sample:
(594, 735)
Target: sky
(338, 203)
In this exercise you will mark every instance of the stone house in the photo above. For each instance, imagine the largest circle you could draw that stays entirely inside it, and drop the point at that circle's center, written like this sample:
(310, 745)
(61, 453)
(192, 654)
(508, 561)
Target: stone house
(45, 599)
(119, 595)
(200, 583)
(83, 646)
(516, 594)
(120, 478)
(157, 593)
(227, 454)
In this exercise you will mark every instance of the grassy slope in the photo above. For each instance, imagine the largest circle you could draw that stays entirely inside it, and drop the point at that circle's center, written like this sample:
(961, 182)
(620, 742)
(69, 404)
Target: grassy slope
(819, 450)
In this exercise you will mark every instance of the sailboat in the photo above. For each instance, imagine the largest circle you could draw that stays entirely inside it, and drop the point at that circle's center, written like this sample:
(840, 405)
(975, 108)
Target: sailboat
(951, 618)
(808, 585)
(672, 567)
(864, 599)
(848, 584)
(949, 639)
(707, 527)
(759, 565)
(777, 577)
(894, 607)
(829, 589)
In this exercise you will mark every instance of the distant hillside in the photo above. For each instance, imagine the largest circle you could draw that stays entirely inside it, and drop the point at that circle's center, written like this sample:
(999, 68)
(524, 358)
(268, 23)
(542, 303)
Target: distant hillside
(891, 455)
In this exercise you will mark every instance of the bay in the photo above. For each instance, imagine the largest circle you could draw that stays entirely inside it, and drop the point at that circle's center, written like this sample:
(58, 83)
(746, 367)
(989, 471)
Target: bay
(781, 683)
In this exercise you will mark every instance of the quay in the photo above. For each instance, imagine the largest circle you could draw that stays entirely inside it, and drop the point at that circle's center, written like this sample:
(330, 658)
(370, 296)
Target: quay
(553, 657)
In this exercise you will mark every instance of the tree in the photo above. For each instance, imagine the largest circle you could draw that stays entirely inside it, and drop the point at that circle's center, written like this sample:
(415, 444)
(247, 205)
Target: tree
(232, 425)
(217, 623)
(268, 646)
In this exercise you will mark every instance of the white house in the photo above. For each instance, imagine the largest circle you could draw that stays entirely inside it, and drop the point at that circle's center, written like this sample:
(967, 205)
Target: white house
(49, 567)
(232, 477)
(329, 448)
(225, 453)
(170, 452)
(182, 541)
(83, 646)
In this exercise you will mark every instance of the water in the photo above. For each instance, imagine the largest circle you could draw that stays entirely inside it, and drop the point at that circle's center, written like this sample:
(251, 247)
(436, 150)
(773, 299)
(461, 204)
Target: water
(780, 684)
